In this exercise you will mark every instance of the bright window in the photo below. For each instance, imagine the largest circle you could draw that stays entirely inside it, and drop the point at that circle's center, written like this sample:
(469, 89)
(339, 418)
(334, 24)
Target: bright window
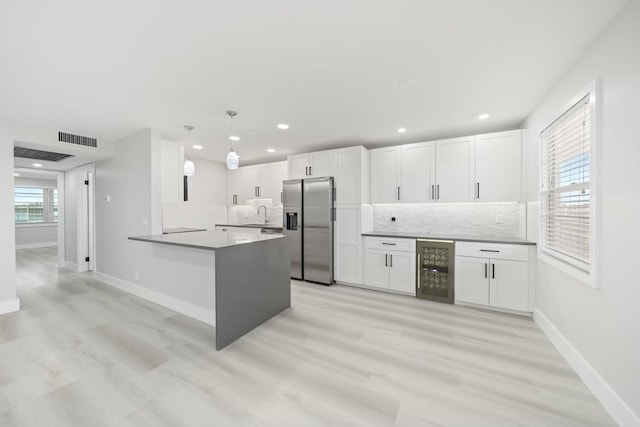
(33, 205)
(566, 196)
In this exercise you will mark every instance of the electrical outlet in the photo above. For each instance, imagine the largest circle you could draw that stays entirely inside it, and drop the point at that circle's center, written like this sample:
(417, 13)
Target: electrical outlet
(393, 219)
(499, 219)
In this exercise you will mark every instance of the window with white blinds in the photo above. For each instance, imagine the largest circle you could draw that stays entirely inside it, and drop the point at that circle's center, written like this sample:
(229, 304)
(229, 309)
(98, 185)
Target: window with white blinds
(565, 197)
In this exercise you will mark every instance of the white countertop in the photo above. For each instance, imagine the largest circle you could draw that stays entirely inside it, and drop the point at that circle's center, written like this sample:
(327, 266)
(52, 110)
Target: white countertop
(209, 240)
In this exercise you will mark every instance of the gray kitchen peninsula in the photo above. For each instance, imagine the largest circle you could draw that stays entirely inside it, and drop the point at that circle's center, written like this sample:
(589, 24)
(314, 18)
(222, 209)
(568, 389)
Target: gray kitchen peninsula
(234, 281)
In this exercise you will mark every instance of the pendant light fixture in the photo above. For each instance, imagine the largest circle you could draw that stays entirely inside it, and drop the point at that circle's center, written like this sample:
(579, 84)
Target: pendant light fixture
(233, 160)
(189, 166)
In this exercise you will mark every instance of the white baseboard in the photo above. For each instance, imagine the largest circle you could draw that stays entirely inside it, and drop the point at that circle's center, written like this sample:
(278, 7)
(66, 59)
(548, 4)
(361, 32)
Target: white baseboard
(175, 304)
(36, 245)
(617, 408)
(9, 306)
(71, 266)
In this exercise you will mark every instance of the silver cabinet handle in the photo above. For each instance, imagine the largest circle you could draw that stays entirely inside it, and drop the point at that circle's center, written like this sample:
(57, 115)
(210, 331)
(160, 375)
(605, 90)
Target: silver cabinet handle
(386, 260)
(493, 271)
(398, 192)
(485, 270)
(438, 192)
(433, 191)
(310, 172)
(418, 273)
(390, 244)
(335, 192)
(489, 250)
(391, 260)
(258, 191)
(282, 196)
(477, 190)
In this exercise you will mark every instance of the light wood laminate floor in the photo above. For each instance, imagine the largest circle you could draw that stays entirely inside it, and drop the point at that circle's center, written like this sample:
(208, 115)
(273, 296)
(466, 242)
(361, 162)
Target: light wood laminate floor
(81, 353)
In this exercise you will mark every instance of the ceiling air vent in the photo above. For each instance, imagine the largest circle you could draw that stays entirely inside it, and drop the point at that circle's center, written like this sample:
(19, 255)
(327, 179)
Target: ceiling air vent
(70, 138)
(28, 153)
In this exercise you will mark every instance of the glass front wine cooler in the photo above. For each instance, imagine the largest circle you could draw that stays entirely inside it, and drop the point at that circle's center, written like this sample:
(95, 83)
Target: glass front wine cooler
(435, 270)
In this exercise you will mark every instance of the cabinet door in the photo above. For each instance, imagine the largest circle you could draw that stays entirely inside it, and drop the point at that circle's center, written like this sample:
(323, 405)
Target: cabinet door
(232, 188)
(322, 163)
(298, 166)
(376, 268)
(418, 173)
(402, 271)
(454, 170)
(509, 285)
(499, 167)
(385, 169)
(348, 243)
(271, 177)
(348, 174)
(248, 180)
(471, 280)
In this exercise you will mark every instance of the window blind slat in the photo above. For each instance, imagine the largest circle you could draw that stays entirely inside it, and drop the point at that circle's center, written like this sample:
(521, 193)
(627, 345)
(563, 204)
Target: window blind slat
(565, 178)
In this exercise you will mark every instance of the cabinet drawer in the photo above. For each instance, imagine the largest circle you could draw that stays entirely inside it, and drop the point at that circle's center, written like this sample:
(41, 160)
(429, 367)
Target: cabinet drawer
(402, 245)
(493, 250)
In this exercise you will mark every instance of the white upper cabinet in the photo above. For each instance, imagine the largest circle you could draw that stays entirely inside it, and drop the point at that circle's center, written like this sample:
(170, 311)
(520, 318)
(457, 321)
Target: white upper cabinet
(309, 165)
(418, 173)
(256, 182)
(403, 174)
(498, 167)
(455, 170)
(322, 163)
(385, 175)
(298, 166)
(271, 177)
(352, 175)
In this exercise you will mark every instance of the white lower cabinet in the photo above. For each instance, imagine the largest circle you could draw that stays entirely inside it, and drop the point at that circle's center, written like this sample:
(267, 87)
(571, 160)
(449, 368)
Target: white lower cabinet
(391, 264)
(493, 275)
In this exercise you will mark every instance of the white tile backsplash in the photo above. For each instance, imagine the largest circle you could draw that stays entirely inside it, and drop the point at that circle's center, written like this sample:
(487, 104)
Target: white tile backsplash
(249, 215)
(473, 219)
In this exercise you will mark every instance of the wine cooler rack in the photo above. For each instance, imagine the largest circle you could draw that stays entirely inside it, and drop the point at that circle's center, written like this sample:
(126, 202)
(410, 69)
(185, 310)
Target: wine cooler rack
(435, 270)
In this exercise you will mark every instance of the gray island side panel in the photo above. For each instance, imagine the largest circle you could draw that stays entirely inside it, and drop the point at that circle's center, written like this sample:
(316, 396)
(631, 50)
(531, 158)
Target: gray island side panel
(252, 286)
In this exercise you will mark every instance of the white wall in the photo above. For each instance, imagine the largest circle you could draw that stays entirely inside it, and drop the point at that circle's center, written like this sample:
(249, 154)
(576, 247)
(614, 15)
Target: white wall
(603, 325)
(8, 301)
(36, 182)
(209, 184)
(207, 198)
(36, 236)
(133, 210)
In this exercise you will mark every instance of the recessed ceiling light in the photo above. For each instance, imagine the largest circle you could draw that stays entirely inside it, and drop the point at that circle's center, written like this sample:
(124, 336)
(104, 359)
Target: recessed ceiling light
(483, 116)
(271, 150)
(197, 147)
(283, 126)
(234, 138)
(37, 165)
(402, 130)
(16, 174)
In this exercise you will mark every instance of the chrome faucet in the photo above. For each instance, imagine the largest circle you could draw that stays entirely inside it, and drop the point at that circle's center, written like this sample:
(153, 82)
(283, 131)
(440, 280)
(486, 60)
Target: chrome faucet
(266, 221)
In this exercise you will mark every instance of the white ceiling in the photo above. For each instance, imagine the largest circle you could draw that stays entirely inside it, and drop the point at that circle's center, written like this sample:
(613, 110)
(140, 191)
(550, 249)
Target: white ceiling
(331, 69)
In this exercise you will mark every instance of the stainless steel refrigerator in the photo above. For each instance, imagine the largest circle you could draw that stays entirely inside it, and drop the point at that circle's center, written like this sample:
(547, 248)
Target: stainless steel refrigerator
(308, 217)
